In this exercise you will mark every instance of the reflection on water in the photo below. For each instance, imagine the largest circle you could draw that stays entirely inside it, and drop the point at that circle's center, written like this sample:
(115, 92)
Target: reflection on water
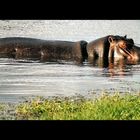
(112, 66)
(23, 78)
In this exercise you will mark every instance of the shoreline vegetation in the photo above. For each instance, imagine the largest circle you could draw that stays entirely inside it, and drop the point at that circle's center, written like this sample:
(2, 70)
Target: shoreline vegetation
(106, 107)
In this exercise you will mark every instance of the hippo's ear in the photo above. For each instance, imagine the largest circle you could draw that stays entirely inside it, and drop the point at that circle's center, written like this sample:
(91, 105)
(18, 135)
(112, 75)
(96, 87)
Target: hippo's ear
(110, 39)
(125, 36)
(131, 41)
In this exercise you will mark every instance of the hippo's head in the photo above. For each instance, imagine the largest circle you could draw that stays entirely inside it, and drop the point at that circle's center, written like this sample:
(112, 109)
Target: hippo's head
(121, 46)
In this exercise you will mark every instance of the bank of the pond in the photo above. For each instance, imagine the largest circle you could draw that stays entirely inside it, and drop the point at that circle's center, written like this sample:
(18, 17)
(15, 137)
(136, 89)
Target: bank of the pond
(107, 107)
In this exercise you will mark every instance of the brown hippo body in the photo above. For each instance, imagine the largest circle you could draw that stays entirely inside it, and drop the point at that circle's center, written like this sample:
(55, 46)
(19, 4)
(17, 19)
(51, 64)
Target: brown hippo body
(135, 51)
(106, 49)
(96, 48)
(110, 47)
(45, 50)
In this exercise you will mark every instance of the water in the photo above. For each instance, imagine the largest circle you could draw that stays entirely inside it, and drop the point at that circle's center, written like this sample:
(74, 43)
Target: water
(21, 78)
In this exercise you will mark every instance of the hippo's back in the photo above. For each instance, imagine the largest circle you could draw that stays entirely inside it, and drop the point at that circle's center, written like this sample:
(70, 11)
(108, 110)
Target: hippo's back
(20, 47)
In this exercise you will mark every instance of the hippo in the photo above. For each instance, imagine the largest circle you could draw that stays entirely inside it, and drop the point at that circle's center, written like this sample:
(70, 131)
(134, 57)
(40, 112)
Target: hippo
(135, 51)
(105, 48)
(111, 47)
(43, 50)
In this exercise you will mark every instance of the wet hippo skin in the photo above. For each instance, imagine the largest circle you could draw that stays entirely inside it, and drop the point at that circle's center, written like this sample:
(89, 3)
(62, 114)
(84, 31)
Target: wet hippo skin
(112, 47)
(45, 50)
(108, 47)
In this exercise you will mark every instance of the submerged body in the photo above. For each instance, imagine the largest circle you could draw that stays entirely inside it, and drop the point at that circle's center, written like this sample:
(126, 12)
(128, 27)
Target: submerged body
(45, 50)
(113, 47)
(107, 49)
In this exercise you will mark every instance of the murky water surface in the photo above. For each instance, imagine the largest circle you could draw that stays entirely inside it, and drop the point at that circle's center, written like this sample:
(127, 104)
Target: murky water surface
(22, 78)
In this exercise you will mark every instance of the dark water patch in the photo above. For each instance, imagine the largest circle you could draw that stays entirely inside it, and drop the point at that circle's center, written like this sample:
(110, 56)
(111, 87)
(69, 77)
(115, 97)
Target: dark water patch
(12, 99)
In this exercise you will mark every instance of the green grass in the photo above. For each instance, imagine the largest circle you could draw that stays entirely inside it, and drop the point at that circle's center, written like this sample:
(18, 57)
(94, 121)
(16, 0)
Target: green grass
(7, 111)
(106, 107)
